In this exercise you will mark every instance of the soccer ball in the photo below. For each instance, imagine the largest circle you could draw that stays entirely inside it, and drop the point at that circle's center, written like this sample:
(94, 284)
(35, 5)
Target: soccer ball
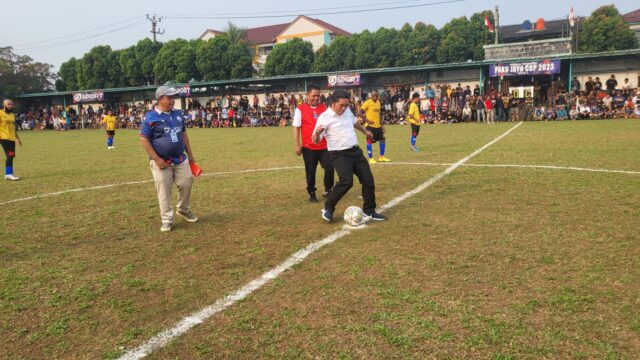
(354, 216)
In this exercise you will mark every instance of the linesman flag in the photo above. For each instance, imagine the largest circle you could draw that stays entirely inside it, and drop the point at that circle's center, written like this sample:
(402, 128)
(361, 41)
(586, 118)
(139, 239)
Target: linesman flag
(488, 23)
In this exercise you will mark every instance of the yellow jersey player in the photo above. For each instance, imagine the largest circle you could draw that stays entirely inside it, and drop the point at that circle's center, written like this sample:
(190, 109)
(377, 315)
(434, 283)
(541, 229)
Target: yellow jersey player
(109, 122)
(373, 118)
(413, 118)
(8, 138)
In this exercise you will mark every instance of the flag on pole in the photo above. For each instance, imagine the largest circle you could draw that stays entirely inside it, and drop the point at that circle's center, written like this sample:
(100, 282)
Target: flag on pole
(488, 23)
(572, 19)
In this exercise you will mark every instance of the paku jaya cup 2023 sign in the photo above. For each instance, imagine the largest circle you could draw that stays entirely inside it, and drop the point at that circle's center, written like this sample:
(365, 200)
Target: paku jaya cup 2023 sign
(528, 68)
(343, 80)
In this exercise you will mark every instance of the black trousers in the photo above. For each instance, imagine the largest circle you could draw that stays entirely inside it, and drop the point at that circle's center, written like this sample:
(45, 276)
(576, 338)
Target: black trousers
(9, 148)
(311, 160)
(349, 162)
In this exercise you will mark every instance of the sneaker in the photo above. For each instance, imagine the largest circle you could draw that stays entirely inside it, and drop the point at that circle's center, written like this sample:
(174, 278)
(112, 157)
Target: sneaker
(166, 227)
(376, 217)
(326, 194)
(383, 159)
(327, 215)
(11, 177)
(415, 148)
(188, 215)
(372, 161)
(313, 198)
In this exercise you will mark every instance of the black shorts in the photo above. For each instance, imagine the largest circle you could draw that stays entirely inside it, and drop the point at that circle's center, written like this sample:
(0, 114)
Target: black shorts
(111, 132)
(415, 129)
(378, 134)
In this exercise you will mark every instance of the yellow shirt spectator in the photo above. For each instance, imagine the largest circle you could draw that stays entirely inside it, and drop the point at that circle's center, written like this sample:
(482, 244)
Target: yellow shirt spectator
(7, 126)
(372, 113)
(414, 114)
(110, 122)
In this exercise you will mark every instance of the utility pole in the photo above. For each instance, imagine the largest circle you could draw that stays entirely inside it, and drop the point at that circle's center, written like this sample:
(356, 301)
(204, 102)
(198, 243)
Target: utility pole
(154, 23)
(155, 31)
(497, 24)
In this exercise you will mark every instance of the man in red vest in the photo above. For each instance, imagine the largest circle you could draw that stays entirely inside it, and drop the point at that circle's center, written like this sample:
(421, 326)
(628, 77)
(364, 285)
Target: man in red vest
(304, 121)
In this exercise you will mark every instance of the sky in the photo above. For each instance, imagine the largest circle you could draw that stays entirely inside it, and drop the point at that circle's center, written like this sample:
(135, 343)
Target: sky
(54, 31)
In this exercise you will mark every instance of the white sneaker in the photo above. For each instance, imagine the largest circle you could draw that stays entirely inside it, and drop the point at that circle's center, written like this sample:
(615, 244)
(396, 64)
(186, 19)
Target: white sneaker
(11, 177)
(166, 227)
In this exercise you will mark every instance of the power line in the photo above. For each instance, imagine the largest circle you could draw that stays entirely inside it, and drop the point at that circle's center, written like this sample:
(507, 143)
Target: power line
(333, 12)
(78, 33)
(154, 23)
(49, 46)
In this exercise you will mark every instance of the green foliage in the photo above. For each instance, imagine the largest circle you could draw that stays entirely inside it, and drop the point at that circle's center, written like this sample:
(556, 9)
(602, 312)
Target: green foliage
(176, 61)
(606, 30)
(99, 68)
(219, 59)
(68, 76)
(20, 74)
(292, 57)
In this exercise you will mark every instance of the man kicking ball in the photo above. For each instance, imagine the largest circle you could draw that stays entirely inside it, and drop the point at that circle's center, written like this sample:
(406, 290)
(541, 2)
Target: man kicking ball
(338, 125)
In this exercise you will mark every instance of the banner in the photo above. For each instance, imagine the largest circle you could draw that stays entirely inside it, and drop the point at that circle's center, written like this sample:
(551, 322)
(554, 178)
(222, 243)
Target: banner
(93, 96)
(528, 68)
(184, 91)
(521, 92)
(343, 80)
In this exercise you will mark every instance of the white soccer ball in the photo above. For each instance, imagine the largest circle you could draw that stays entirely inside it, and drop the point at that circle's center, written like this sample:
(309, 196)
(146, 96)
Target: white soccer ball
(354, 216)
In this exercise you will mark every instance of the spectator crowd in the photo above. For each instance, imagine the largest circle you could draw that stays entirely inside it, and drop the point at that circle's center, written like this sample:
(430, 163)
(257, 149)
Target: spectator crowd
(439, 104)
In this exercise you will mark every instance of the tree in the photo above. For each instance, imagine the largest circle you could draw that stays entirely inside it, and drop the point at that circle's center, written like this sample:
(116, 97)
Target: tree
(219, 59)
(606, 30)
(292, 57)
(68, 76)
(130, 66)
(236, 34)
(146, 51)
(20, 74)
(98, 69)
(479, 34)
(456, 44)
(176, 61)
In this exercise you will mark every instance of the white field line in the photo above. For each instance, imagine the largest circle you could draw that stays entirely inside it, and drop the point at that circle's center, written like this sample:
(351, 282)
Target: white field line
(523, 166)
(139, 182)
(160, 340)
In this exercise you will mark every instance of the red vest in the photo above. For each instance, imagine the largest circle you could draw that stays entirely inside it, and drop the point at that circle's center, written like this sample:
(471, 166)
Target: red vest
(309, 118)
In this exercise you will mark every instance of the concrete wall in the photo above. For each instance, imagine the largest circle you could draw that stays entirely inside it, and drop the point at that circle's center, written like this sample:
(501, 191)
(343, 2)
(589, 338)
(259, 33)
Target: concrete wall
(305, 30)
(528, 49)
(622, 68)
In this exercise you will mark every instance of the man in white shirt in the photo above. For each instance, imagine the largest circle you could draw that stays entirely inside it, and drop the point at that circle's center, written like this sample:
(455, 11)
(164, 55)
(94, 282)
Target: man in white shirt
(337, 125)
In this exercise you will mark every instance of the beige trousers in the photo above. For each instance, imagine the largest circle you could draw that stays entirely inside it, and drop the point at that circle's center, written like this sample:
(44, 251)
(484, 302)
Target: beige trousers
(165, 178)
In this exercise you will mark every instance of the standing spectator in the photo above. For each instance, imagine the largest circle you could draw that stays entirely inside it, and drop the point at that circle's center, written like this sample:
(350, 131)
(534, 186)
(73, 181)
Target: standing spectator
(598, 84)
(488, 104)
(480, 108)
(612, 83)
(575, 85)
(590, 85)
(164, 138)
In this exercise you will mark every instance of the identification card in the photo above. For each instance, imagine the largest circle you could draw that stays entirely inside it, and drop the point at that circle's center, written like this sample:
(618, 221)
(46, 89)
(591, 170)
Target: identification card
(174, 137)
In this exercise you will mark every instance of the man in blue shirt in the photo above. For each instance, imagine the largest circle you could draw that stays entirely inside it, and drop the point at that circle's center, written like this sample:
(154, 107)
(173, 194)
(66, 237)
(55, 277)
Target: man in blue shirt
(164, 138)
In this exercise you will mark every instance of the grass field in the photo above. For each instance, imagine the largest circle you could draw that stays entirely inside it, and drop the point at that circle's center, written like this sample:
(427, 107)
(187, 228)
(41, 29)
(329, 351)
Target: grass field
(489, 262)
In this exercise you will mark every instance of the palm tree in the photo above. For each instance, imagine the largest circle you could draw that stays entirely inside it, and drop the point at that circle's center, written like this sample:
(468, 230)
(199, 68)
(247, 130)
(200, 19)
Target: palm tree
(236, 34)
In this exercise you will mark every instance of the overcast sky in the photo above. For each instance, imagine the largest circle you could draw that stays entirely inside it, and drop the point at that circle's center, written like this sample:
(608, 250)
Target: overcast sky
(54, 31)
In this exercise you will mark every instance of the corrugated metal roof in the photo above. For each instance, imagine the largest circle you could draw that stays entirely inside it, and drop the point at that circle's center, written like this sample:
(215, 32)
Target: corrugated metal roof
(427, 67)
(632, 17)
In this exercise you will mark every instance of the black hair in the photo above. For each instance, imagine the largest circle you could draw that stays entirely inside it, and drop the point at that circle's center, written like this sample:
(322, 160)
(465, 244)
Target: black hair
(312, 87)
(340, 94)
(415, 95)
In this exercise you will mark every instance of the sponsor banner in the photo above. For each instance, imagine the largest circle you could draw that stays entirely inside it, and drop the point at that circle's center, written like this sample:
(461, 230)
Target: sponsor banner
(521, 92)
(527, 68)
(184, 91)
(343, 80)
(92, 96)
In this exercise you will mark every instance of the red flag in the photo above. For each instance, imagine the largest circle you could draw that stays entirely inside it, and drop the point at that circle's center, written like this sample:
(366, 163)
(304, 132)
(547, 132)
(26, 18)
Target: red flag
(488, 23)
(572, 18)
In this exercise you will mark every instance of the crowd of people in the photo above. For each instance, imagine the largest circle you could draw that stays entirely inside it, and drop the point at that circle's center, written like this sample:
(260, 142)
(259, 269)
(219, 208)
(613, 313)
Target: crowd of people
(439, 104)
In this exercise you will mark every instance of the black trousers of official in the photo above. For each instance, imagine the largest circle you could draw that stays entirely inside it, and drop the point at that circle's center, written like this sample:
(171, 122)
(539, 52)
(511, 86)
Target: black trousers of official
(347, 163)
(311, 160)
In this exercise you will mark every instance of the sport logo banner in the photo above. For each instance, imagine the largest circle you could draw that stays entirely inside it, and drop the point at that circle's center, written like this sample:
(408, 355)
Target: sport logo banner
(343, 80)
(184, 91)
(93, 96)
